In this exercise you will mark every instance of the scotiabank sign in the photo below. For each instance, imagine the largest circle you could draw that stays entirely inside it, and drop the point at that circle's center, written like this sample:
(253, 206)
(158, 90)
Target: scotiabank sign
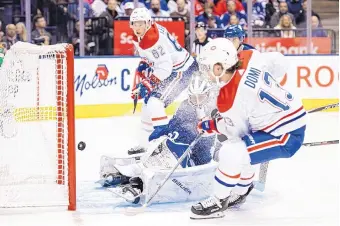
(123, 35)
(291, 45)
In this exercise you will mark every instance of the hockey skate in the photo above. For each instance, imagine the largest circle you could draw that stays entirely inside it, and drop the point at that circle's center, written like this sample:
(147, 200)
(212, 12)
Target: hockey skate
(136, 150)
(131, 192)
(236, 200)
(213, 207)
(209, 208)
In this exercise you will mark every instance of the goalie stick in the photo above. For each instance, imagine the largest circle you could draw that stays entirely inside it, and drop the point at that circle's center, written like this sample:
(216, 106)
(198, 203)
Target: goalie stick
(261, 183)
(133, 211)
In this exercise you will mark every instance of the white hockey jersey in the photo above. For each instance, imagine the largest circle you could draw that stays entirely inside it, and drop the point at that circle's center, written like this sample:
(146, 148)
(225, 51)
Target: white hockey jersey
(162, 51)
(253, 101)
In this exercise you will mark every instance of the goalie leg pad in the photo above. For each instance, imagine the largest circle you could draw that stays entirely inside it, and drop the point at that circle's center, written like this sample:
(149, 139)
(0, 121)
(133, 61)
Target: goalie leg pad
(189, 184)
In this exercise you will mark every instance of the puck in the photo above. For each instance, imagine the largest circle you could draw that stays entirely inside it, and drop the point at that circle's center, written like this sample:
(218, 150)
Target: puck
(81, 145)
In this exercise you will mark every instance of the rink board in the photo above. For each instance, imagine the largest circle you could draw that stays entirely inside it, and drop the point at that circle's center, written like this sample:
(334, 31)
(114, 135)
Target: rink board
(314, 78)
(103, 87)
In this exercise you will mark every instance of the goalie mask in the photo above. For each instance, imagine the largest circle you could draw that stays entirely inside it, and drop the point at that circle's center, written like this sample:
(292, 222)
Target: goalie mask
(199, 90)
(216, 58)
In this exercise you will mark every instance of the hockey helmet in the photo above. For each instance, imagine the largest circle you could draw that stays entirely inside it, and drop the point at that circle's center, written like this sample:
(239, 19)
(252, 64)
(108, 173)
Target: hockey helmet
(234, 31)
(219, 51)
(141, 14)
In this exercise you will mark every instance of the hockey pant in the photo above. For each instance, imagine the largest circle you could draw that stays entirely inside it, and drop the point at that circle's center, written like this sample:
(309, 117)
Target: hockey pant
(263, 147)
(153, 115)
(235, 171)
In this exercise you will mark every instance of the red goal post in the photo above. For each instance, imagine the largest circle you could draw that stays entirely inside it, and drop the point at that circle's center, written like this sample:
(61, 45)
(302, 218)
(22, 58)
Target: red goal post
(37, 127)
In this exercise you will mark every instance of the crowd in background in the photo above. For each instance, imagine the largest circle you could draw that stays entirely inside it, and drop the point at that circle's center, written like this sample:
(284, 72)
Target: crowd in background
(56, 21)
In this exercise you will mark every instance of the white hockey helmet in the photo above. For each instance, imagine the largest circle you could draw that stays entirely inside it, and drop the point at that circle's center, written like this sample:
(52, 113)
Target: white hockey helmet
(219, 51)
(199, 90)
(141, 14)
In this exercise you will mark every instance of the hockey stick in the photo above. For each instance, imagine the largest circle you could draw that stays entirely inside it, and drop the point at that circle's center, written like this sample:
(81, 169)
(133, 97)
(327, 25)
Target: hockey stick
(330, 106)
(260, 185)
(133, 211)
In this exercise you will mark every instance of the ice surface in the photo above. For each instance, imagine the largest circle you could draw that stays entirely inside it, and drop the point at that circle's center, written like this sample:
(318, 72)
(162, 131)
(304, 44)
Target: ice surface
(303, 190)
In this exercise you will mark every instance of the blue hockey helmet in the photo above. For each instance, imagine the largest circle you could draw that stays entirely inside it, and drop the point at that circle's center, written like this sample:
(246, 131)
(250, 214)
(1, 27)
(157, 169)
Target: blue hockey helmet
(234, 31)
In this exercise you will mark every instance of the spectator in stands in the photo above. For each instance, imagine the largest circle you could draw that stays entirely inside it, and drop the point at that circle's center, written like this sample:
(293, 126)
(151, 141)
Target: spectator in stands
(317, 30)
(270, 10)
(73, 9)
(141, 3)
(98, 7)
(163, 5)
(89, 45)
(11, 37)
(182, 11)
(128, 8)
(199, 7)
(231, 5)
(156, 11)
(212, 23)
(234, 20)
(172, 5)
(283, 10)
(106, 42)
(21, 32)
(259, 13)
(286, 26)
(201, 38)
(221, 7)
(110, 13)
(294, 6)
(40, 36)
(301, 16)
(1, 32)
(208, 10)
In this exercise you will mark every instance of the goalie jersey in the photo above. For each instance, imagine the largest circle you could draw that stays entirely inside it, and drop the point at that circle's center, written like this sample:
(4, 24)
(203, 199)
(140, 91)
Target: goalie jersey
(254, 101)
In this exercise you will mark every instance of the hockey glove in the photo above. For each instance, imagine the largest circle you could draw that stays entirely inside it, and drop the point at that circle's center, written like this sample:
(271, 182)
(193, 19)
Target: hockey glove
(141, 69)
(207, 127)
(142, 89)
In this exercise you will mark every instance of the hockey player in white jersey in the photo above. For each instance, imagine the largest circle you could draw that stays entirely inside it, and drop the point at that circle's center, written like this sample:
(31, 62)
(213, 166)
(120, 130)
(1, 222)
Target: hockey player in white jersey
(165, 70)
(262, 120)
(140, 173)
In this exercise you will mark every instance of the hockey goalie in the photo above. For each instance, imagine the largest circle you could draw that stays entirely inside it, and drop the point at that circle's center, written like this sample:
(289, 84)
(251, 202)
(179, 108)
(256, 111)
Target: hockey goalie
(136, 177)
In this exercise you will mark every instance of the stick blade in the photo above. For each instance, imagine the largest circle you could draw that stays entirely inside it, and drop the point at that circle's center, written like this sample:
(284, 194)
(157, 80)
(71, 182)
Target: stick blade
(259, 186)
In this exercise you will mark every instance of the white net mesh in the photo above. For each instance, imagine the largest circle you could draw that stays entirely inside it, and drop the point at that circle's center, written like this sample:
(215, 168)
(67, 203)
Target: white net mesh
(33, 126)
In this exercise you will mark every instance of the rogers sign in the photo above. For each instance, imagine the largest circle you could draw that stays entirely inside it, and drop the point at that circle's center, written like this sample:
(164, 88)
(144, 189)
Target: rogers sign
(123, 35)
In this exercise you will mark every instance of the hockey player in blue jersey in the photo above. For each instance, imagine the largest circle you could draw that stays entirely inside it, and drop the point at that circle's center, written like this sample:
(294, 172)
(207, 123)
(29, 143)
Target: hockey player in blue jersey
(236, 34)
(126, 177)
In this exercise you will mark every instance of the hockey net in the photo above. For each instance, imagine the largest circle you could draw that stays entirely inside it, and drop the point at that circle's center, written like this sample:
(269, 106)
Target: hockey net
(37, 154)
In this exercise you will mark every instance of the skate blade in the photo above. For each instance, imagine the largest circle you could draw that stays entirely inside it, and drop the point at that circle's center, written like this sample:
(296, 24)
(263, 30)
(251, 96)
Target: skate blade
(206, 217)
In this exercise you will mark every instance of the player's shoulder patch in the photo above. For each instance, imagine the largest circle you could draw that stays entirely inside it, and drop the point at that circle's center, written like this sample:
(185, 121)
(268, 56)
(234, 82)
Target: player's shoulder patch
(228, 93)
(150, 38)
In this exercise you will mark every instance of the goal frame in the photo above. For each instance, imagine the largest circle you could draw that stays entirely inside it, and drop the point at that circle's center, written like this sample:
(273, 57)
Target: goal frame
(71, 150)
(60, 114)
